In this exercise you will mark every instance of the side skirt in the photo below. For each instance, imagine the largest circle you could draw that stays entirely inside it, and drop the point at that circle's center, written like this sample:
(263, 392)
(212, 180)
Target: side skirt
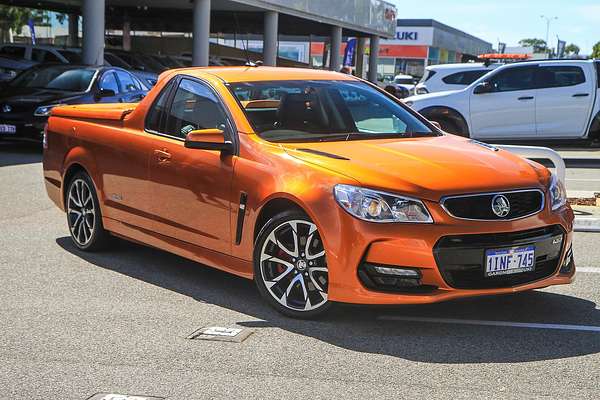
(198, 254)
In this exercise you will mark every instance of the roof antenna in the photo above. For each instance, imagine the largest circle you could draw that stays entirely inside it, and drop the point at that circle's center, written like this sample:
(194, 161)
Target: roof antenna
(249, 62)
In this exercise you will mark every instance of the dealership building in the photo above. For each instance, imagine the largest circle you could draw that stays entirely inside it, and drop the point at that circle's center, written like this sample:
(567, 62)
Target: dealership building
(422, 42)
(369, 21)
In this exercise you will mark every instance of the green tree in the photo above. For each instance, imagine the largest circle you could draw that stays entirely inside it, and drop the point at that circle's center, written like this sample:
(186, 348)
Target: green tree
(539, 45)
(596, 51)
(572, 49)
(14, 18)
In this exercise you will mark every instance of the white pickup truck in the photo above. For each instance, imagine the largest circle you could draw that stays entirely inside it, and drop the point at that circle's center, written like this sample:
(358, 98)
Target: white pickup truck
(549, 99)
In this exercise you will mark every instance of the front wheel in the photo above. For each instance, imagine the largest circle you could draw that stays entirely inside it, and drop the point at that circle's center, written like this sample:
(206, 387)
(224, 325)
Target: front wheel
(290, 268)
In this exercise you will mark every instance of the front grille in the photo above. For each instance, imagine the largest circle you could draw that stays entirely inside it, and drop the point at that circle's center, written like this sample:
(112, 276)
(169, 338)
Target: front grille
(479, 206)
(461, 259)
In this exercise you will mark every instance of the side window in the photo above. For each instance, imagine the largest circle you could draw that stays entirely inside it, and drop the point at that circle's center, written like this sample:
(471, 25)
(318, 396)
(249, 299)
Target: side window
(464, 78)
(38, 55)
(13, 52)
(157, 113)
(127, 82)
(559, 76)
(109, 82)
(194, 107)
(512, 79)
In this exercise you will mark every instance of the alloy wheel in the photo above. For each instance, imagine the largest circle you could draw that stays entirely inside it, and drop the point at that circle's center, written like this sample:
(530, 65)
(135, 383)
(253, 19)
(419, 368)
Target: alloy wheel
(293, 266)
(81, 212)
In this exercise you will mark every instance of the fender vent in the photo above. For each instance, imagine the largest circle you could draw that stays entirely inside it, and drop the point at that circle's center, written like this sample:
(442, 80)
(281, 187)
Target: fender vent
(324, 154)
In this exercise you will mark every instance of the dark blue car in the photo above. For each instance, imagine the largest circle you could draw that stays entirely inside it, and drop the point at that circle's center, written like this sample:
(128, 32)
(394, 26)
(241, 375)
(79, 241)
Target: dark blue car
(26, 101)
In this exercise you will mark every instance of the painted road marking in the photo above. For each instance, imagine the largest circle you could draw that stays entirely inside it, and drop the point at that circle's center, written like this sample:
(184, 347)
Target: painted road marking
(585, 269)
(584, 328)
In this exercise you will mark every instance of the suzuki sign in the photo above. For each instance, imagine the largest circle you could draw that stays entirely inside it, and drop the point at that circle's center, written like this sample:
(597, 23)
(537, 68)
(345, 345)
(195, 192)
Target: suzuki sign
(412, 36)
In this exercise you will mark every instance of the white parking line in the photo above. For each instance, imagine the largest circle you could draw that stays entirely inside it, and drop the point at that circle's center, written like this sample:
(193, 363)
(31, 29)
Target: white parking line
(586, 269)
(585, 328)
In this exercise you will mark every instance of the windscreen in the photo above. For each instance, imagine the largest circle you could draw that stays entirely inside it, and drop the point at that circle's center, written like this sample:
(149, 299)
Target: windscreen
(304, 111)
(57, 77)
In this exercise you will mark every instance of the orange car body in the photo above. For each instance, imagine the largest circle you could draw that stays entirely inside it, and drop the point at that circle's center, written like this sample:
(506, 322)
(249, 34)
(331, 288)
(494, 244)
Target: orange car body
(154, 190)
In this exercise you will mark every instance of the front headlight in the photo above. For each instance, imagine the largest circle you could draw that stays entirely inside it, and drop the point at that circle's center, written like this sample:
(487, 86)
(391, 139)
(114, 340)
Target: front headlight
(408, 103)
(44, 111)
(557, 192)
(422, 90)
(375, 206)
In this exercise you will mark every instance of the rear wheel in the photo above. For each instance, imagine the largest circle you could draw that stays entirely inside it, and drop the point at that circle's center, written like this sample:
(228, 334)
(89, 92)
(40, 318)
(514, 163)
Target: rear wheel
(83, 214)
(290, 268)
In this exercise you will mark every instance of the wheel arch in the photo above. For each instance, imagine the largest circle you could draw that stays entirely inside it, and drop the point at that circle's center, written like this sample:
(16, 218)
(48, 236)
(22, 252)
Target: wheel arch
(594, 130)
(78, 159)
(274, 205)
(447, 112)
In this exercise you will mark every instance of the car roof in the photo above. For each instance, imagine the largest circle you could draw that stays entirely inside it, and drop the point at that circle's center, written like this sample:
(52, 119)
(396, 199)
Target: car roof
(254, 74)
(463, 66)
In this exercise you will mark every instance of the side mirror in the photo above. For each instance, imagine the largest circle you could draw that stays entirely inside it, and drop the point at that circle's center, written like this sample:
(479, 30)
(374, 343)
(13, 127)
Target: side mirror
(208, 139)
(436, 124)
(105, 93)
(483, 87)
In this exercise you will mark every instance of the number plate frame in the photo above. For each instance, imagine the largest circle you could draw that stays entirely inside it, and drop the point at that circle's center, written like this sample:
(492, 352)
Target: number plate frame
(509, 260)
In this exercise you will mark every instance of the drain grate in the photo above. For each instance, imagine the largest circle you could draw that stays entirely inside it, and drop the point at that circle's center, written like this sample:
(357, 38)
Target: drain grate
(221, 334)
(116, 396)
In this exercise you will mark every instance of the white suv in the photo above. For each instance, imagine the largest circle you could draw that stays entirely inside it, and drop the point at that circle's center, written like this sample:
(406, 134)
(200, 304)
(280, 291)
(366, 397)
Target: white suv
(439, 78)
(553, 99)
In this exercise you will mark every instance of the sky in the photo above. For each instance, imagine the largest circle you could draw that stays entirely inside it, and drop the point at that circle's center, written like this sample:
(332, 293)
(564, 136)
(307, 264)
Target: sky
(509, 21)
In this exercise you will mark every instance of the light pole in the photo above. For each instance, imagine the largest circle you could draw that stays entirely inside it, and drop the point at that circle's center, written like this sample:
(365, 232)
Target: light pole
(548, 20)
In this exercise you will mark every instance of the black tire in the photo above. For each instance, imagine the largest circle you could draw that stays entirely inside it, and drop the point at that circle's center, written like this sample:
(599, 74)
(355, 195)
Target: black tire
(303, 280)
(84, 217)
(451, 126)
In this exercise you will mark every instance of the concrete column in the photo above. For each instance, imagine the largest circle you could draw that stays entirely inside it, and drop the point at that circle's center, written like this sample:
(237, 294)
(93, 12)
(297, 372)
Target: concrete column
(201, 42)
(270, 38)
(373, 55)
(336, 47)
(93, 32)
(361, 46)
(73, 38)
(127, 34)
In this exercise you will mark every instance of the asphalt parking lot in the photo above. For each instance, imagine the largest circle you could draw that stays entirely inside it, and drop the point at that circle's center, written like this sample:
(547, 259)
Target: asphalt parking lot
(74, 324)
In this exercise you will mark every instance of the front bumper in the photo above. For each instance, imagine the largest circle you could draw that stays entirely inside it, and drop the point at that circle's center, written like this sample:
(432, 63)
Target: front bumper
(449, 256)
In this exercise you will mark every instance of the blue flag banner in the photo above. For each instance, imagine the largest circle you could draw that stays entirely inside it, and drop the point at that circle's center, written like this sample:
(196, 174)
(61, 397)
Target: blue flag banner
(350, 52)
(31, 30)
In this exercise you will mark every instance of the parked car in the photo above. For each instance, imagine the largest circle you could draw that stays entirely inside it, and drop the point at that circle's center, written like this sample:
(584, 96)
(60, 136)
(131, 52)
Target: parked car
(443, 77)
(387, 83)
(35, 53)
(315, 184)
(522, 101)
(27, 100)
(406, 81)
(9, 68)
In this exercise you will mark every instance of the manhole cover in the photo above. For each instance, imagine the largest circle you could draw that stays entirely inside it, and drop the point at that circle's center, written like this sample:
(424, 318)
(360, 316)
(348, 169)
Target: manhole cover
(221, 334)
(116, 396)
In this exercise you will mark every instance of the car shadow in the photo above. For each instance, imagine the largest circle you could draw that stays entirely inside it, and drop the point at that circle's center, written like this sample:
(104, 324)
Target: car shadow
(361, 329)
(17, 153)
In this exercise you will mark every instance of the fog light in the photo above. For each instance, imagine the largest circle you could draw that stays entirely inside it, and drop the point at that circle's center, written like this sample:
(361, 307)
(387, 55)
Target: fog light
(404, 272)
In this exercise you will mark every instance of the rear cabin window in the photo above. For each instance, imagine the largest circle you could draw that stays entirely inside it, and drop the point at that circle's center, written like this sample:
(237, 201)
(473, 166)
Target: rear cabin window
(15, 52)
(464, 77)
(156, 116)
(560, 76)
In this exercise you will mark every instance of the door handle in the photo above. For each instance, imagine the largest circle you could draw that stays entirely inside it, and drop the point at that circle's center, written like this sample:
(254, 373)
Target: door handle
(162, 155)
(525, 98)
(581, 95)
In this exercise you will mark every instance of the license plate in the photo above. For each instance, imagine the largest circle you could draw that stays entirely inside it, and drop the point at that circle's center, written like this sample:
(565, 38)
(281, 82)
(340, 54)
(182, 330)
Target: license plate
(8, 129)
(507, 261)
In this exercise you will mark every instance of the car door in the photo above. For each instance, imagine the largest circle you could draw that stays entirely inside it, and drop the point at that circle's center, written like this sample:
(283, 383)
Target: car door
(129, 87)
(507, 110)
(564, 100)
(191, 188)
